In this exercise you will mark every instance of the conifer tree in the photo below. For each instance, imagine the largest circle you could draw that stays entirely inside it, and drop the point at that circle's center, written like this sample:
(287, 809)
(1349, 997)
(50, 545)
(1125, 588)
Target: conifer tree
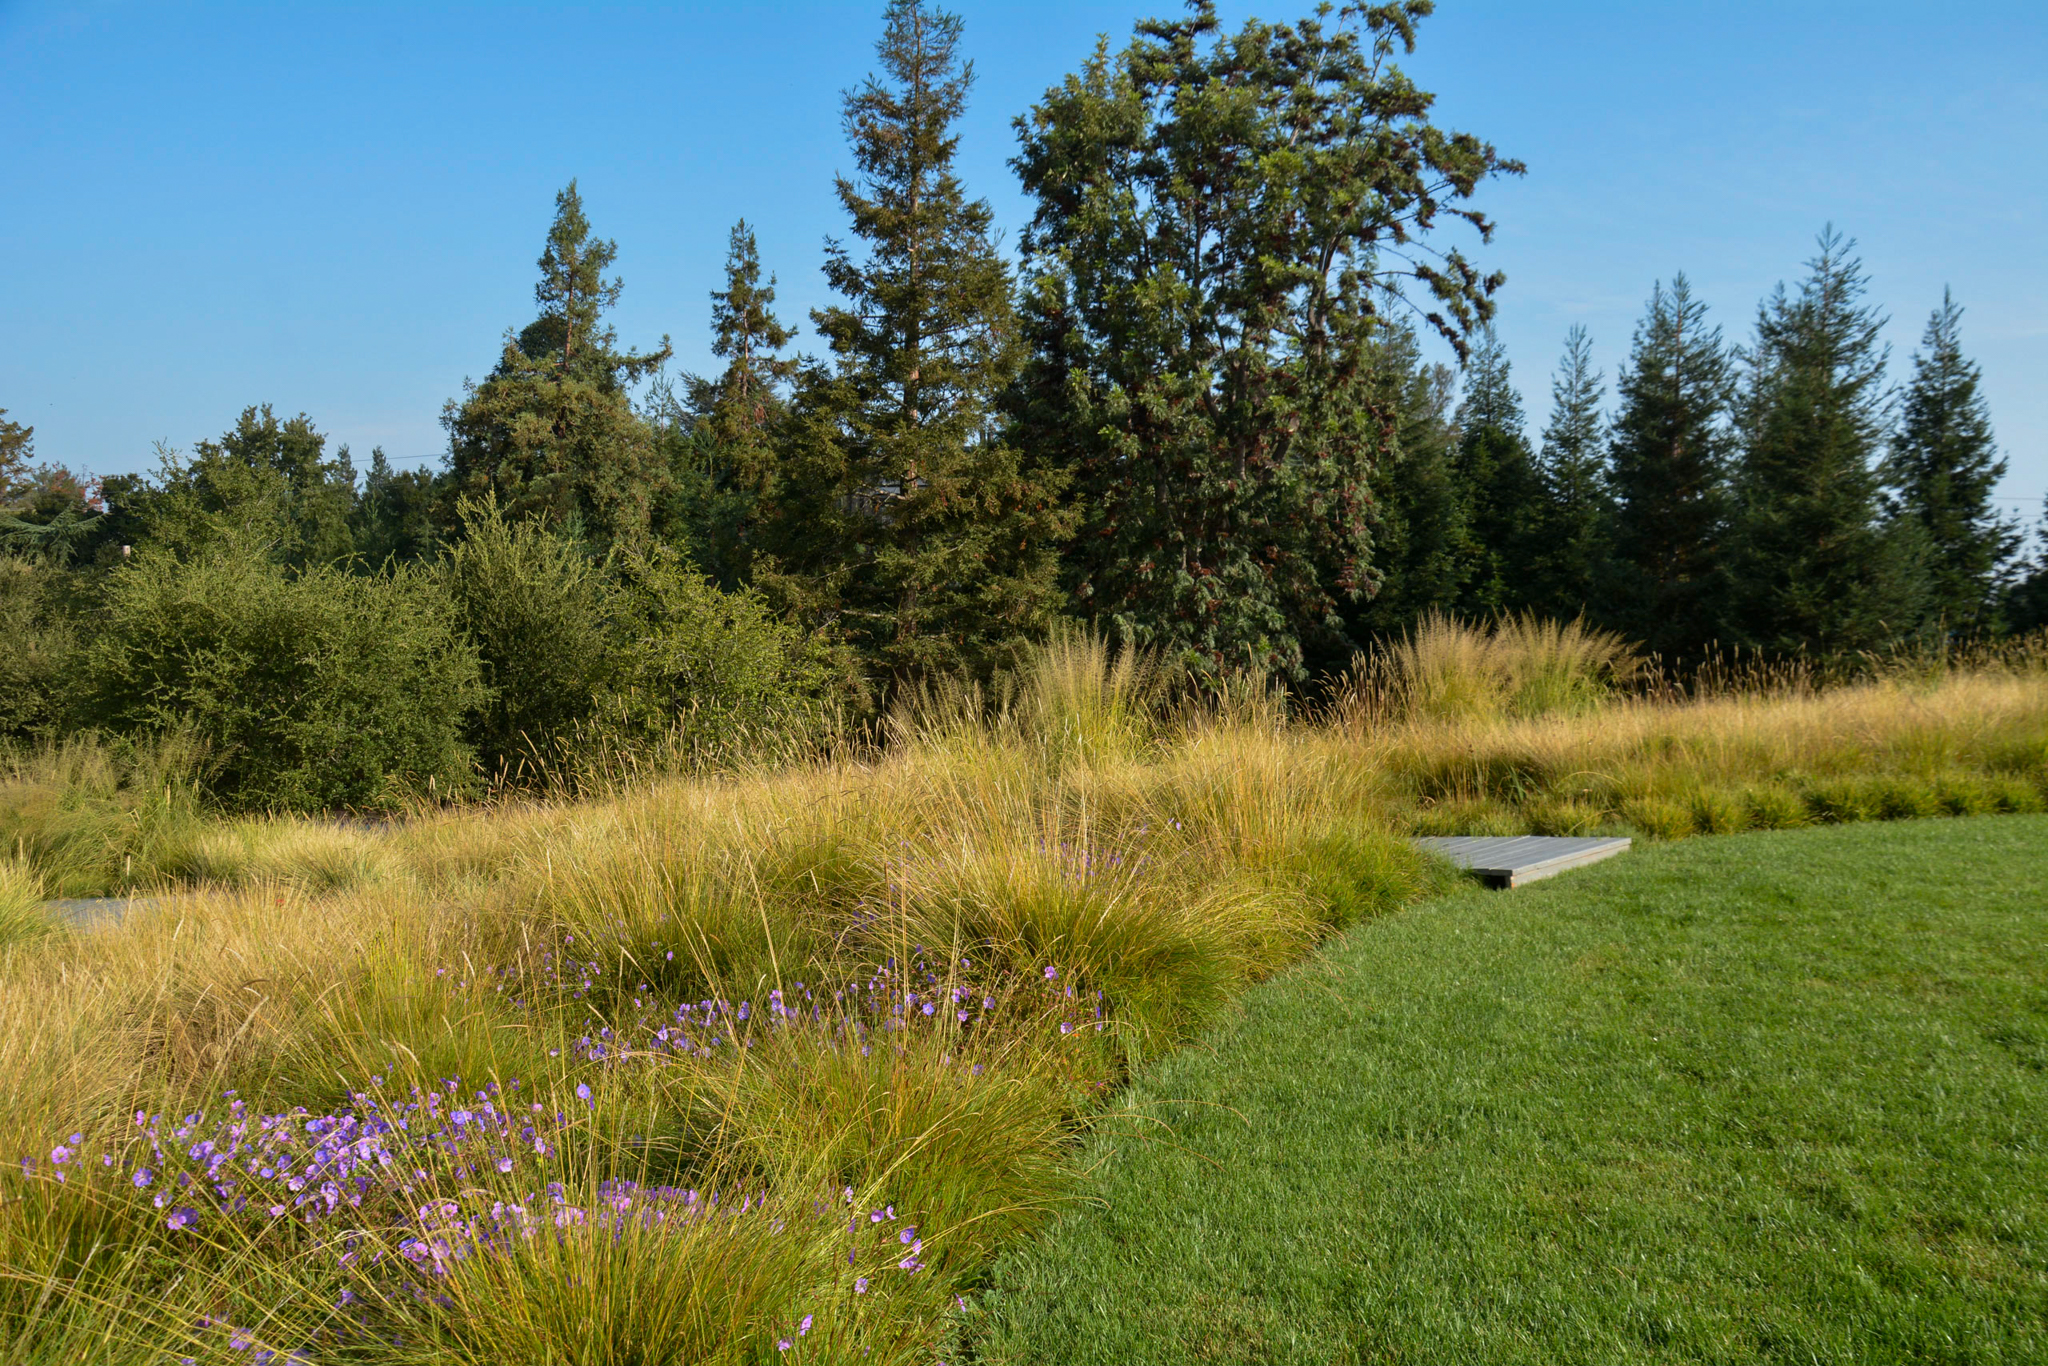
(17, 447)
(552, 431)
(1419, 531)
(1943, 468)
(394, 517)
(1496, 482)
(728, 454)
(904, 516)
(1668, 474)
(1812, 568)
(1219, 222)
(2026, 597)
(1569, 565)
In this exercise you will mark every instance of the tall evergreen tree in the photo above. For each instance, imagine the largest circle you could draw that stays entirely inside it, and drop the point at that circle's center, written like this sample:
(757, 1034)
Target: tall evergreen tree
(1419, 533)
(1569, 564)
(1495, 477)
(903, 513)
(1668, 474)
(1812, 568)
(2026, 597)
(552, 431)
(727, 449)
(17, 447)
(1943, 467)
(394, 516)
(1219, 222)
(275, 479)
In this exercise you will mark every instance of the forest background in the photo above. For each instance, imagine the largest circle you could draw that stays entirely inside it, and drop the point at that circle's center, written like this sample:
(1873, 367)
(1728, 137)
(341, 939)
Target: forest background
(1193, 410)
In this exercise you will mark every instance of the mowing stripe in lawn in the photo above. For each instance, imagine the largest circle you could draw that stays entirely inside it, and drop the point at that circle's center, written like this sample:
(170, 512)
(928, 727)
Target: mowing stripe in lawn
(1775, 1097)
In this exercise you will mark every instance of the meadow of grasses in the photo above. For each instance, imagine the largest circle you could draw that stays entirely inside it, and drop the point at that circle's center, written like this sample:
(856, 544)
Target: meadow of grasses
(765, 1065)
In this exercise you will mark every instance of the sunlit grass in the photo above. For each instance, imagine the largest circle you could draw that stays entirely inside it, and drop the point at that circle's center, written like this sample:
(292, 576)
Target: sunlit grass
(1044, 886)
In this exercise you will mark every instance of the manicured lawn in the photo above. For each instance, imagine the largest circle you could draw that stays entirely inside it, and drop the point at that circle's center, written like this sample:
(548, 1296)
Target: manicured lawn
(1777, 1097)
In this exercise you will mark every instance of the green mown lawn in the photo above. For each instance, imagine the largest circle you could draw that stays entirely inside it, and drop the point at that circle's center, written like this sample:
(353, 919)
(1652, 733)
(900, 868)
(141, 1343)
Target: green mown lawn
(1777, 1097)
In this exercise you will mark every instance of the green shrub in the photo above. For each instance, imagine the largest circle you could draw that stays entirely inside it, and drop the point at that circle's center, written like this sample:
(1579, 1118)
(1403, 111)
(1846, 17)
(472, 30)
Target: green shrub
(539, 613)
(312, 690)
(703, 675)
(37, 647)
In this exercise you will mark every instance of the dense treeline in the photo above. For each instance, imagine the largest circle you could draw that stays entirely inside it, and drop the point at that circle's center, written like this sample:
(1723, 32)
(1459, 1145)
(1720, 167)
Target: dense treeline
(1193, 414)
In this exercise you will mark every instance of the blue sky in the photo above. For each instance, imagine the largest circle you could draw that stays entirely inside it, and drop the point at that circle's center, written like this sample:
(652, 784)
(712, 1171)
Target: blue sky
(337, 209)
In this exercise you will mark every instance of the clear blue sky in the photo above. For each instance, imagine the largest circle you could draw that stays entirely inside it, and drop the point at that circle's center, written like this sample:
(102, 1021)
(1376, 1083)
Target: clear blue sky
(337, 209)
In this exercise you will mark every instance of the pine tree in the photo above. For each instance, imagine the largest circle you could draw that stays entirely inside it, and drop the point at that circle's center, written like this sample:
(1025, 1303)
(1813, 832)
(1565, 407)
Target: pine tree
(904, 516)
(1668, 473)
(1812, 569)
(552, 432)
(726, 442)
(1218, 222)
(1495, 478)
(1943, 468)
(1569, 566)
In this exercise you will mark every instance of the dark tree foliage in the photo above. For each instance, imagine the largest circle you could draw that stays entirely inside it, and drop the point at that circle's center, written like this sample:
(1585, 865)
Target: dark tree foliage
(1419, 533)
(1495, 478)
(48, 514)
(394, 516)
(2026, 598)
(1943, 468)
(1219, 221)
(1568, 568)
(724, 438)
(1668, 473)
(273, 480)
(904, 519)
(17, 448)
(552, 433)
(1812, 569)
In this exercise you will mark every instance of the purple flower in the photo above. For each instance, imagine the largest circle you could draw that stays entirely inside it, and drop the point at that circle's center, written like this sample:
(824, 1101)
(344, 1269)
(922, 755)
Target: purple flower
(504, 1164)
(60, 1154)
(860, 1285)
(804, 1327)
(909, 1234)
(1052, 974)
(782, 1345)
(182, 1217)
(143, 1178)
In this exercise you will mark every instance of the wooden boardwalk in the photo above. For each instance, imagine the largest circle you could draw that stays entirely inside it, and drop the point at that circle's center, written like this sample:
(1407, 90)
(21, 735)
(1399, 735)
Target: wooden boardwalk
(1510, 861)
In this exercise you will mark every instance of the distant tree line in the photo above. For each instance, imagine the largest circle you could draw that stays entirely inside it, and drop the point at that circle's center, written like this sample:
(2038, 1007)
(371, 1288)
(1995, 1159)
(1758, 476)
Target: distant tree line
(1194, 415)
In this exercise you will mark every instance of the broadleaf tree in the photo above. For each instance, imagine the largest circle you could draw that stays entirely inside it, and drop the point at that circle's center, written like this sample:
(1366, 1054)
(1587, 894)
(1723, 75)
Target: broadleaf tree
(1221, 222)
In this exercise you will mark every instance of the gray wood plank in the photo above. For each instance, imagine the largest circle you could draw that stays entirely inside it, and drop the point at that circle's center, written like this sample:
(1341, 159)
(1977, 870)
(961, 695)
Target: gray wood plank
(1511, 860)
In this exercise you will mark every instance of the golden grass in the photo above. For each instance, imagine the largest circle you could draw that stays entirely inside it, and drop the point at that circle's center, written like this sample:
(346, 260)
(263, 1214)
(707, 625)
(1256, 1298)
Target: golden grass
(1156, 861)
